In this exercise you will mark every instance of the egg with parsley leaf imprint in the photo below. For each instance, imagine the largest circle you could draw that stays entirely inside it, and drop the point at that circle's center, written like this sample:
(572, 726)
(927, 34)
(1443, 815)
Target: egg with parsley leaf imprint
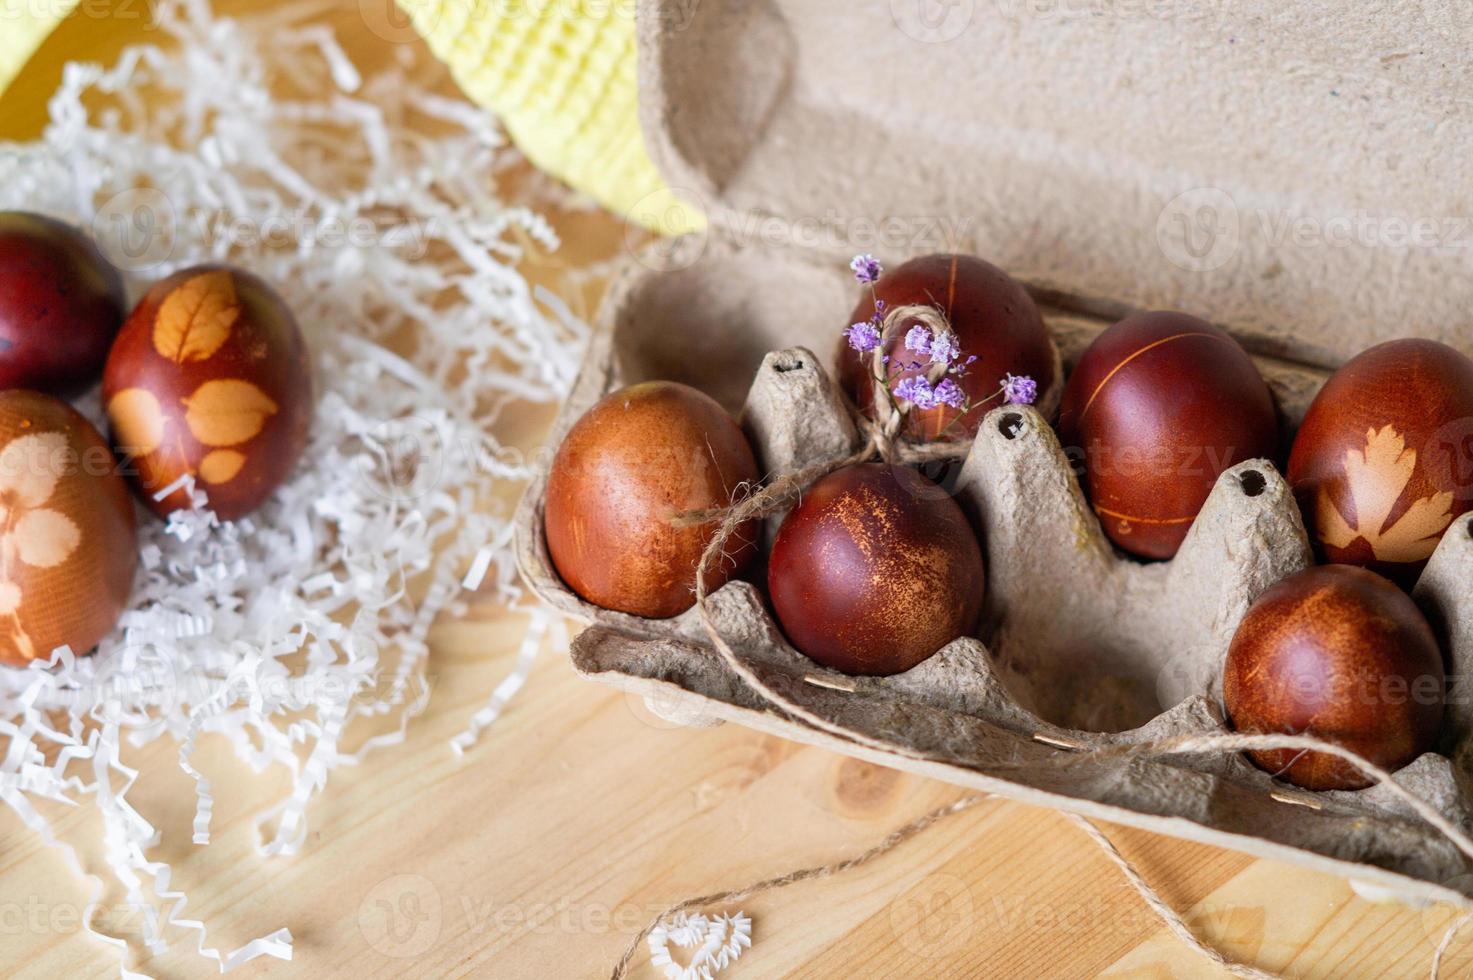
(875, 570)
(67, 539)
(1383, 462)
(209, 378)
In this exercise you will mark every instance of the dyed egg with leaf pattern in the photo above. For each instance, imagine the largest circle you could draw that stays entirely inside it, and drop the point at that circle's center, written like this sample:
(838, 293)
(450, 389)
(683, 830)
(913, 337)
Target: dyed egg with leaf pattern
(67, 539)
(209, 379)
(1383, 462)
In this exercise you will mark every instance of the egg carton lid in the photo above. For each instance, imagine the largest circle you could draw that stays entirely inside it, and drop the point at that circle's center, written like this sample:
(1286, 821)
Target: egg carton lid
(1295, 170)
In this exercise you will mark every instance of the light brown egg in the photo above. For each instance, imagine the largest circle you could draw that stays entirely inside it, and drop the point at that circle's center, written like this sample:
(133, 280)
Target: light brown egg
(1341, 654)
(633, 461)
(67, 542)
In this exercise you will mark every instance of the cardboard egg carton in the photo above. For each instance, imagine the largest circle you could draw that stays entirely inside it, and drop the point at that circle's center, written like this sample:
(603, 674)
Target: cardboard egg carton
(1080, 647)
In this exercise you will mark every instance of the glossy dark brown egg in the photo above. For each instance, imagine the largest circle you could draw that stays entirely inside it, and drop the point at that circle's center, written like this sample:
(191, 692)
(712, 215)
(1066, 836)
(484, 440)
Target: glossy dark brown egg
(1158, 406)
(1383, 462)
(61, 303)
(67, 546)
(1341, 654)
(875, 570)
(994, 318)
(209, 378)
(633, 461)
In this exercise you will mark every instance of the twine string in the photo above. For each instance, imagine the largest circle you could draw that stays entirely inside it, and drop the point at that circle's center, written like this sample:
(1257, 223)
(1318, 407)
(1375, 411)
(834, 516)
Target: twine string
(892, 840)
(1447, 939)
(881, 439)
(1169, 916)
(1172, 919)
(889, 413)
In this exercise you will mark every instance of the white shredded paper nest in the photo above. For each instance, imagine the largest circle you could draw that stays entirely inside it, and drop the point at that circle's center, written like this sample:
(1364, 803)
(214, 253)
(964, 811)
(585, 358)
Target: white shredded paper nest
(258, 142)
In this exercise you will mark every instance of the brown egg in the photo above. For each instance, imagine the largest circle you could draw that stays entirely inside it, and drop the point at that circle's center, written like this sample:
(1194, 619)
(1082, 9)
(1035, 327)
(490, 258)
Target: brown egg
(1158, 406)
(1341, 654)
(1383, 462)
(994, 318)
(637, 458)
(875, 570)
(209, 377)
(61, 304)
(67, 545)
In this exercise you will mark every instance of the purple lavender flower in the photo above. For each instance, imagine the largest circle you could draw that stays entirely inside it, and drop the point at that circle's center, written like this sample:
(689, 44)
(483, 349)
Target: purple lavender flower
(948, 392)
(1019, 389)
(863, 337)
(866, 269)
(944, 348)
(916, 390)
(918, 339)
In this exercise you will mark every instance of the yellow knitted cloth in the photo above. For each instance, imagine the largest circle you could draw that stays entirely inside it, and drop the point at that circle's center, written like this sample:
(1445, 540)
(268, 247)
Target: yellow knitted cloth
(561, 75)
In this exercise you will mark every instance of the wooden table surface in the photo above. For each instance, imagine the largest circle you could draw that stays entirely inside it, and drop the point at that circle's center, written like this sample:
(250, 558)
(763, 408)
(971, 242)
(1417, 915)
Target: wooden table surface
(580, 814)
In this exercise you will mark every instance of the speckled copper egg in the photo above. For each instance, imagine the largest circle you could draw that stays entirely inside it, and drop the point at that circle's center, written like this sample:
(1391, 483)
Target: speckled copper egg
(1341, 654)
(61, 303)
(994, 318)
(1383, 462)
(209, 377)
(1158, 406)
(67, 546)
(875, 570)
(636, 459)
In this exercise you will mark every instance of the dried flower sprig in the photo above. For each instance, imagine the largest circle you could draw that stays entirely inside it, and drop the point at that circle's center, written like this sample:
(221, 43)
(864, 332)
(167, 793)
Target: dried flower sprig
(914, 382)
(866, 268)
(1019, 389)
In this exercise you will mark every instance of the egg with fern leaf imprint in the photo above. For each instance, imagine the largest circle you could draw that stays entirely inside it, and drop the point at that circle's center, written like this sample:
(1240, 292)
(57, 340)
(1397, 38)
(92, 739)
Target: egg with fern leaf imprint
(209, 378)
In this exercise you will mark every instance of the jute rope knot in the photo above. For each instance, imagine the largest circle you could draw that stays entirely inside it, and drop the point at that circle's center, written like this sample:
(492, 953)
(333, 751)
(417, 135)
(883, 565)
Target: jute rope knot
(889, 414)
(882, 439)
